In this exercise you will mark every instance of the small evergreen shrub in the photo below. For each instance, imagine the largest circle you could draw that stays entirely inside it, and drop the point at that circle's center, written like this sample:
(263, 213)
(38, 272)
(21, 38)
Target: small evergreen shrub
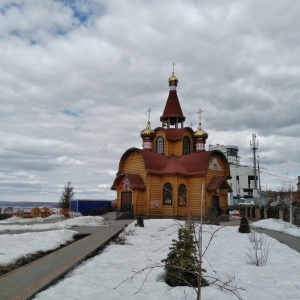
(182, 263)
(244, 226)
(212, 215)
(139, 222)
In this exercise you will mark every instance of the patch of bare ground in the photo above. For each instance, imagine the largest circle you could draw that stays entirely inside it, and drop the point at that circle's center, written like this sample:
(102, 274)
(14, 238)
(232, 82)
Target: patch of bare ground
(32, 257)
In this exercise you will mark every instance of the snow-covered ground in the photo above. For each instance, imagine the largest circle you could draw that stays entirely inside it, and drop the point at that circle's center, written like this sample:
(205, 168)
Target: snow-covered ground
(35, 224)
(278, 225)
(16, 246)
(107, 275)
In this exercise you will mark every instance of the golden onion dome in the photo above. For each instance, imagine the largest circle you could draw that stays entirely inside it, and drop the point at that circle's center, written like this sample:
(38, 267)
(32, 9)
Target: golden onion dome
(200, 133)
(173, 80)
(148, 132)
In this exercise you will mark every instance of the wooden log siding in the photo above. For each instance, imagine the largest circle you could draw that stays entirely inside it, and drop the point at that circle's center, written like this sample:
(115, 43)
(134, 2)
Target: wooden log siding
(155, 194)
(140, 201)
(134, 164)
(174, 148)
(194, 193)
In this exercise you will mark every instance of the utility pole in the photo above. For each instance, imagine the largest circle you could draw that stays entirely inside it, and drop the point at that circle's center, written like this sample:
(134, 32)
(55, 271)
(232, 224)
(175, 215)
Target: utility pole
(258, 160)
(254, 147)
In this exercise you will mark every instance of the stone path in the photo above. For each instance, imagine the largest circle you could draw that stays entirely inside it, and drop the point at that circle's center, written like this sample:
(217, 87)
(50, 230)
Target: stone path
(27, 281)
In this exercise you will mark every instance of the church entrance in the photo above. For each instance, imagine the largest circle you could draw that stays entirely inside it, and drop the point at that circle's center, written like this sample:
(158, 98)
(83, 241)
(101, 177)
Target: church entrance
(215, 202)
(126, 202)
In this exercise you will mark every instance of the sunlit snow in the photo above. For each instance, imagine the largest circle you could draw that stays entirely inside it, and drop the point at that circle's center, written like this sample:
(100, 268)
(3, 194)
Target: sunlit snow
(108, 274)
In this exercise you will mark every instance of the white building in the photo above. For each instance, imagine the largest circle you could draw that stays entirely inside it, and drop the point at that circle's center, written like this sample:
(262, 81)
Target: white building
(242, 182)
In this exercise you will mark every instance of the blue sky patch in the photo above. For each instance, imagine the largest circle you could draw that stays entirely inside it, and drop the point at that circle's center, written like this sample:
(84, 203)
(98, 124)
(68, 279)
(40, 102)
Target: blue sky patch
(83, 9)
(70, 113)
(7, 7)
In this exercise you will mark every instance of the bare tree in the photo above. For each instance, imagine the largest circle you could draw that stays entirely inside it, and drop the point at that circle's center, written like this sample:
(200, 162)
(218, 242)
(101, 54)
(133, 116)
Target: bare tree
(288, 194)
(260, 249)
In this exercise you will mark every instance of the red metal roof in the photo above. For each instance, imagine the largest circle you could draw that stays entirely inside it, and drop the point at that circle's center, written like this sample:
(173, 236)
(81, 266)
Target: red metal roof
(192, 164)
(216, 183)
(135, 180)
(172, 108)
(174, 134)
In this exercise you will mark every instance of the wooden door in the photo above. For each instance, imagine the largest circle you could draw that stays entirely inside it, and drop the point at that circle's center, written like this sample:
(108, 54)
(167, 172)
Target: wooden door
(126, 202)
(215, 202)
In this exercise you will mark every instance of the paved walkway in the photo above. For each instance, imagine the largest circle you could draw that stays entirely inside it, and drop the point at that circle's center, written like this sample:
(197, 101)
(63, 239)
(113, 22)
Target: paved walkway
(31, 279)
(289, 240)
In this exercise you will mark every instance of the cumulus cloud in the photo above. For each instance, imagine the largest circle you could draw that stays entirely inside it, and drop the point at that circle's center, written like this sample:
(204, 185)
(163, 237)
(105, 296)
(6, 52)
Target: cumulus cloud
(78, 76)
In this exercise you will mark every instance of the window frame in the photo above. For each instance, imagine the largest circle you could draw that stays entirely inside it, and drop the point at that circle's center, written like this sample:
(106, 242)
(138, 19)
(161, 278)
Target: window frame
(167, 194)
(182, 199)
(186, 145)
(160, 145)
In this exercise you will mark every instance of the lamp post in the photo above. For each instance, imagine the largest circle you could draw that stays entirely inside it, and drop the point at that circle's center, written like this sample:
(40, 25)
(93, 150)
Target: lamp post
(258, 160)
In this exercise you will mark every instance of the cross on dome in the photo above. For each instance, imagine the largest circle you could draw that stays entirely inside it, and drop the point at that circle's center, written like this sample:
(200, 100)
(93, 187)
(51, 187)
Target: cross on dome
(173, 65)
(200, 111)
(149, 111)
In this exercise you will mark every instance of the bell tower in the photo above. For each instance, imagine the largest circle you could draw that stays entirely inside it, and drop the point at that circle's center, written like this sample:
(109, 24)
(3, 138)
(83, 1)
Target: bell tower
(172, 116)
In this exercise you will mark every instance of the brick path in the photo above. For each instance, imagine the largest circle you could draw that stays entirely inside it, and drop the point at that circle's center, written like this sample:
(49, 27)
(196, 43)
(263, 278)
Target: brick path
(31, 279)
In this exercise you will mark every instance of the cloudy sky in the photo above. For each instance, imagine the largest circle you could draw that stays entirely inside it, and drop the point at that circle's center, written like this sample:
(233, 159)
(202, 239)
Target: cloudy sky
(77, 78)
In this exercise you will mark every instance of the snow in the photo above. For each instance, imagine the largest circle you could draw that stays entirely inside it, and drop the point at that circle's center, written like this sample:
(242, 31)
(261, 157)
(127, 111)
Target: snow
(20, 220)
(107, 275)
(278, 225)
(16, 246)
(65, 224)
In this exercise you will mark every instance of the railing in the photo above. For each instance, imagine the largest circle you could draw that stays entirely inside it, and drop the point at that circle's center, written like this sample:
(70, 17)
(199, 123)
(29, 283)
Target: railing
(124, 212)
(98, 211)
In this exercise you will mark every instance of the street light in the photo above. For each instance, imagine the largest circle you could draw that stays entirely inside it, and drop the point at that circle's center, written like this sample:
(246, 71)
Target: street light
(258, 160)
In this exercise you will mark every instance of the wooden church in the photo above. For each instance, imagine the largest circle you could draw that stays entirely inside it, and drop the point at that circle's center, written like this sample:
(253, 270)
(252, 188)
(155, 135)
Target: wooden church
(173, 175)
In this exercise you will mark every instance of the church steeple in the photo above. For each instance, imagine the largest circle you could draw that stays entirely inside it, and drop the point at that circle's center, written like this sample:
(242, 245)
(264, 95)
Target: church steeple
(172, 115)
(148, 134)
(200, 135)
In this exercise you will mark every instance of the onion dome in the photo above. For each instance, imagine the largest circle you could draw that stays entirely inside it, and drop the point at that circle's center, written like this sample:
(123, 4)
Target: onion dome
(200, 134)
(173, 80)
(148, 132)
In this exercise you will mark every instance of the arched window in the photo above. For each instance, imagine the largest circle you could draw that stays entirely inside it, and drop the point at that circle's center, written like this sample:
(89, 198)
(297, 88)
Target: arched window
(182, 200)
(167, 194)
(186, 145)
(160, 145)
